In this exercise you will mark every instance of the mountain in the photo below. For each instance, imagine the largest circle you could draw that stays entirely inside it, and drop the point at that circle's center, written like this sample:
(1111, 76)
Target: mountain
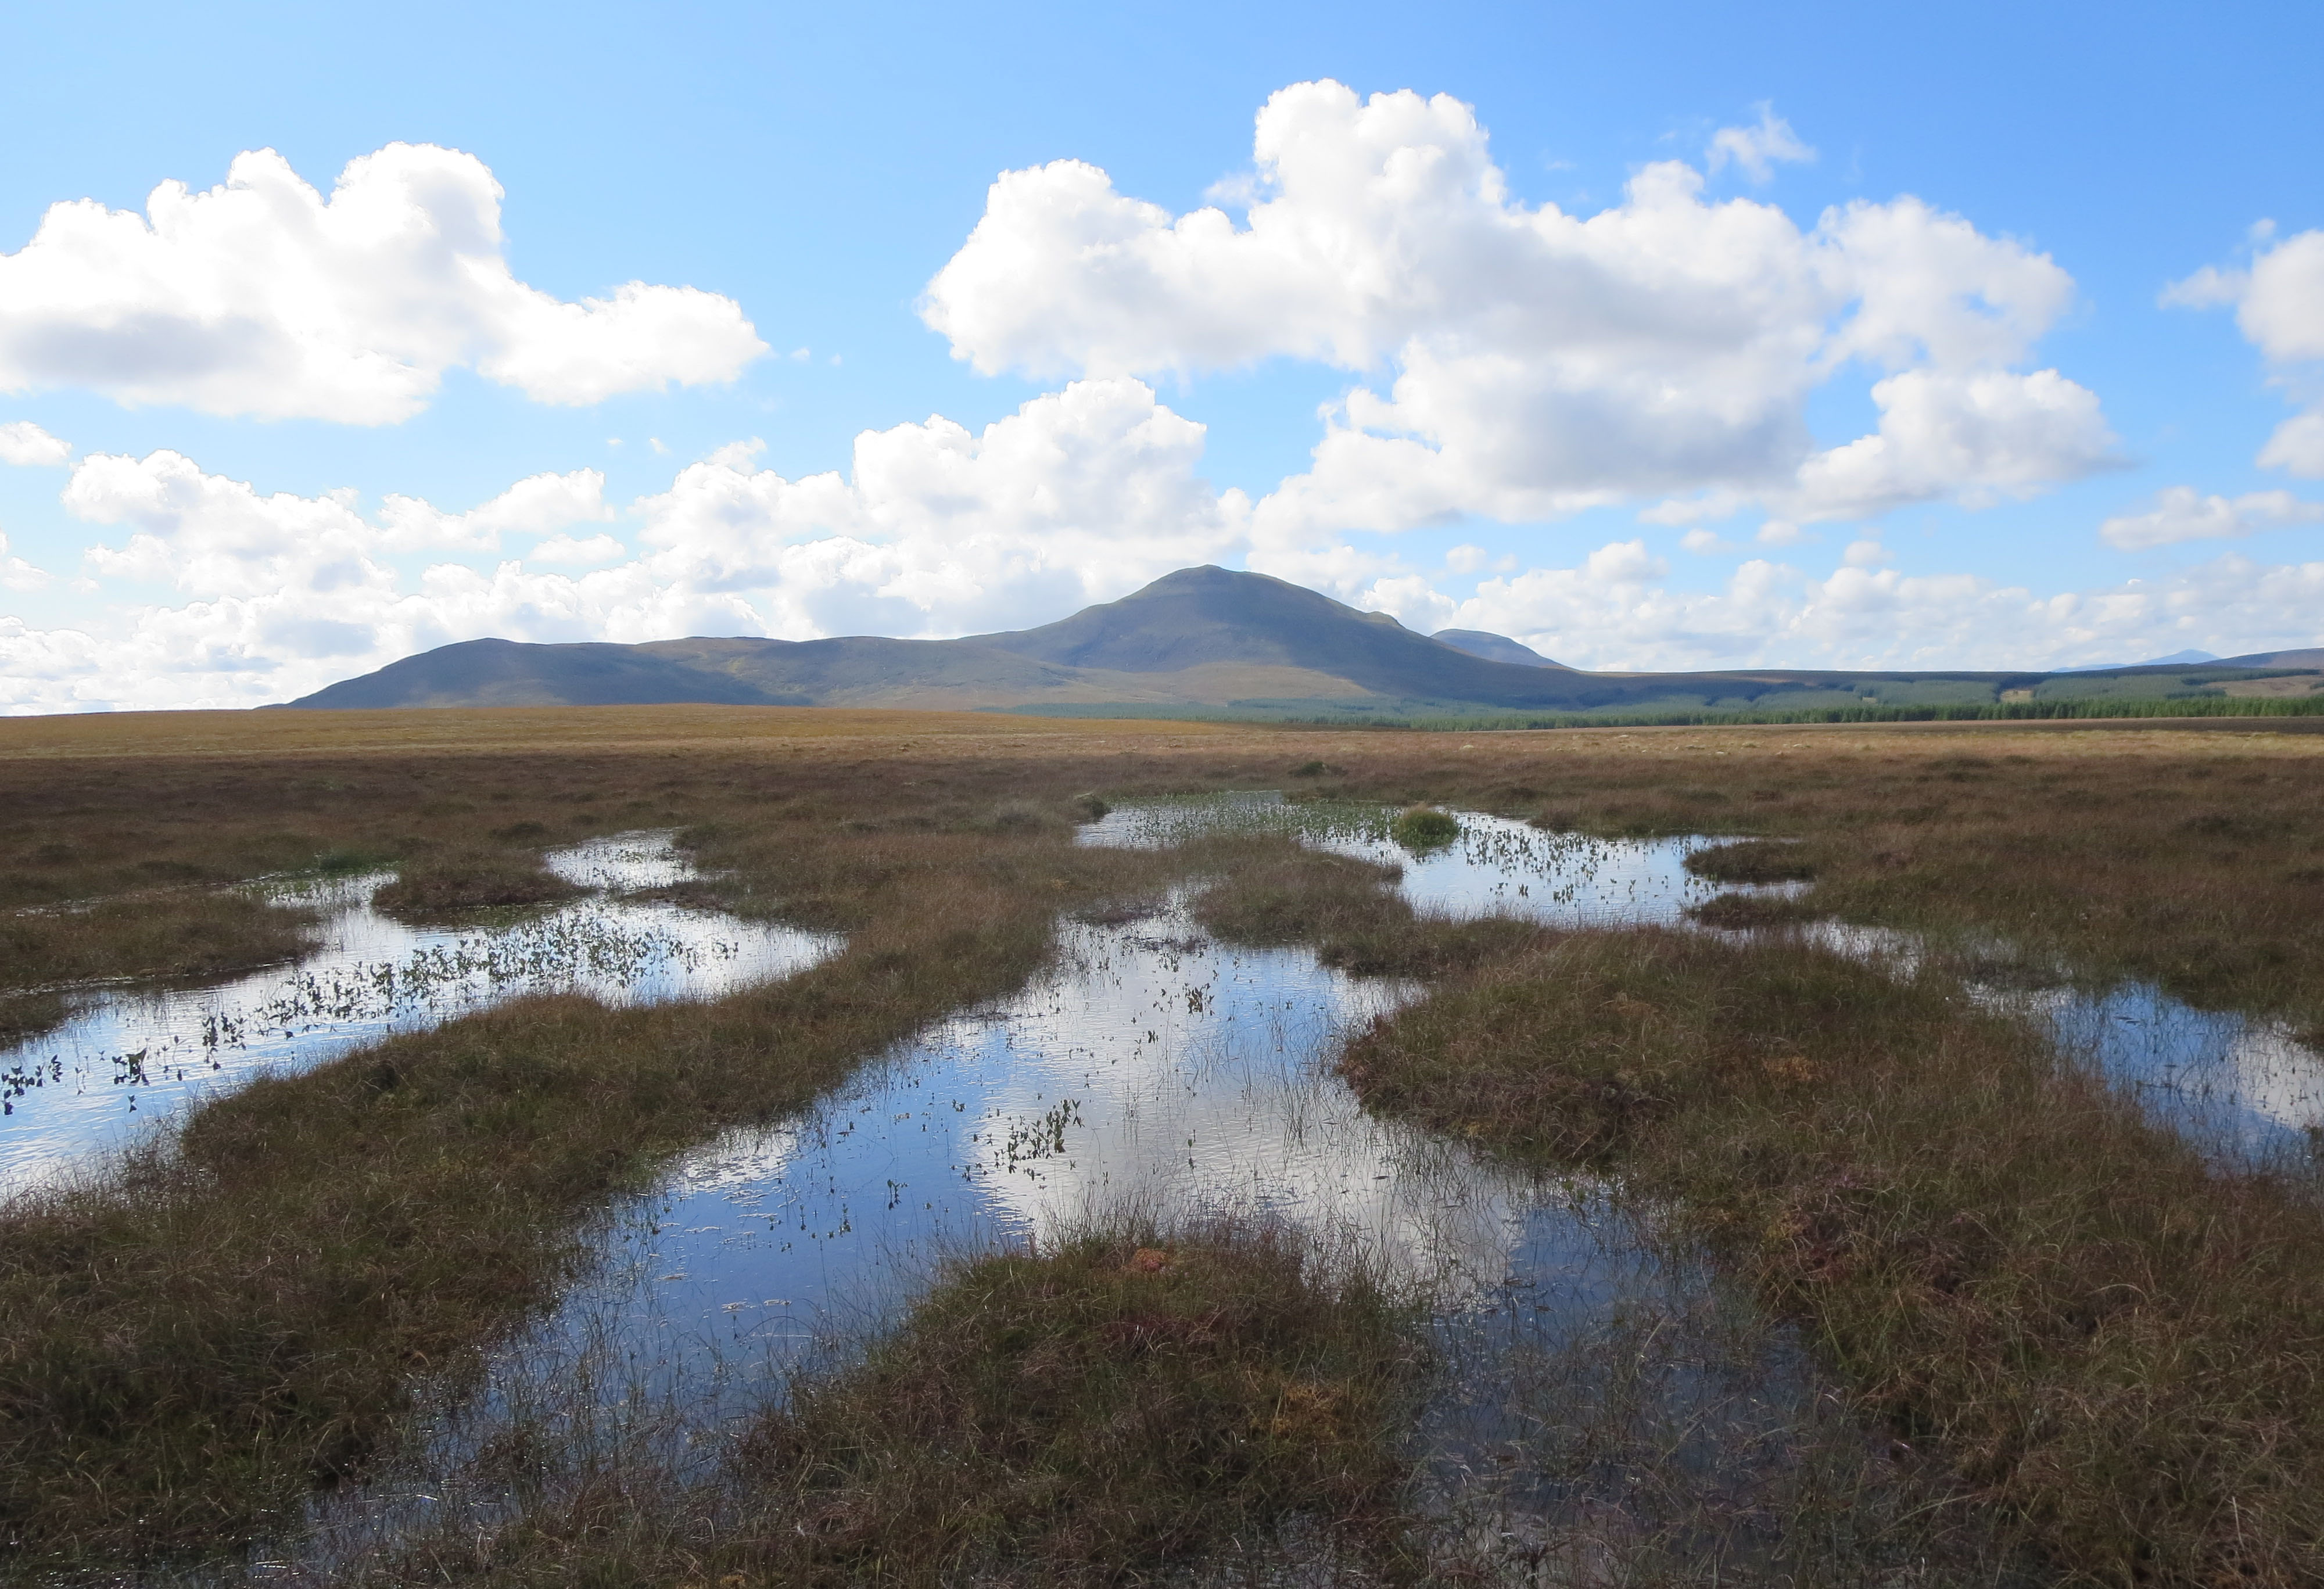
(507, 673)
(1208, 638)
(2175, 659)
(1210, 614)
(2312, 658)
(1200, 637)
(1493, 648)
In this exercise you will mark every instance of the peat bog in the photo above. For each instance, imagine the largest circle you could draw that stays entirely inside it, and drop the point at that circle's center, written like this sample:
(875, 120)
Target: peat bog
(1918, 1189)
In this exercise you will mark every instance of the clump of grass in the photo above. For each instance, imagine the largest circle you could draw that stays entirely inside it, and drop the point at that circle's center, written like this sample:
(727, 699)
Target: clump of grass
(2120, 1347)
(1272, 891)
(1025, 816)
(346, 861)
(1425, 827)
(23, 1014)
(196, 933)
(1113, 1407)
(451, 883)
(1115, 1404)
(1751, 912)
(1753, 860)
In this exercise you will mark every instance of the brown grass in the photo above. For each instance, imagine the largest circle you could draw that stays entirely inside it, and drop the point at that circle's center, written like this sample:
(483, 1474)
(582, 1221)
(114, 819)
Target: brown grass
(451, 881)
(2120, 1348)
(1119, 1404)
(198, 1336)
(205, 1332)
(203, 933)
(2193, 855)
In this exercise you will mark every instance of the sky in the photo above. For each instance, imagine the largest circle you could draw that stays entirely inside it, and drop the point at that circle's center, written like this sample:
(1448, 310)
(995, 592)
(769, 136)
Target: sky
(1656, 336)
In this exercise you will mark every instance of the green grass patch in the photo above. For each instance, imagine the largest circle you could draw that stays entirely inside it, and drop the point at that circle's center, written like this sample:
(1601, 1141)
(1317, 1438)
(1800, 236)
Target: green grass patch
(1479, 717)
(1421, 828)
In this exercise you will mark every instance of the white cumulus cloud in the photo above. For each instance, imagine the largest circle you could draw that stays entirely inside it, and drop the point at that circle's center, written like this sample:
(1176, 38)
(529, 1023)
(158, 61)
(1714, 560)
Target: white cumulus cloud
(1978, 438)
(24, 443)
(564, 549)
(1758, 148)
(2181, 513)
(1541, 362)
(262, 297)
(539, 504)
(1082, 495)
(16, 574)
(1611, 610)
(2279, 303)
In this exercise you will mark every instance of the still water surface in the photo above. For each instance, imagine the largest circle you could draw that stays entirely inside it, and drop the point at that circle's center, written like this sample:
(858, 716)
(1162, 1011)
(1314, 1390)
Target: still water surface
(130, 1058)
(1150, 1068)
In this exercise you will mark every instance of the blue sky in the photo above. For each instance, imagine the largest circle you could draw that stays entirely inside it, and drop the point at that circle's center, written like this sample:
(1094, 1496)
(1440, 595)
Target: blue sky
(1628, 441)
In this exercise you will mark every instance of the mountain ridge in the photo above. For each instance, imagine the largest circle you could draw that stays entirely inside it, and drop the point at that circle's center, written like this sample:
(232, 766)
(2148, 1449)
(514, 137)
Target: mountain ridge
(1203, 637)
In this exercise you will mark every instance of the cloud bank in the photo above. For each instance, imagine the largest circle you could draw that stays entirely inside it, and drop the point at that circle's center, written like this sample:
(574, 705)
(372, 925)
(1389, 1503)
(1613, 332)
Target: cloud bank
(1081, 495)
(222, 594)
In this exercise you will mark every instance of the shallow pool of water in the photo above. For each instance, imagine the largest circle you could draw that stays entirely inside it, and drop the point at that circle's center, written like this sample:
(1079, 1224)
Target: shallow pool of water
(128, 1057)
(2243, 1089)
(1150, 1068)
(1497, 867)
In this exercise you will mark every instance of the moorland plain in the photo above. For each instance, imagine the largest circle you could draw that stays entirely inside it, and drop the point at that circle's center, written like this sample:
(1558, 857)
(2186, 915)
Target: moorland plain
(2106, 1341)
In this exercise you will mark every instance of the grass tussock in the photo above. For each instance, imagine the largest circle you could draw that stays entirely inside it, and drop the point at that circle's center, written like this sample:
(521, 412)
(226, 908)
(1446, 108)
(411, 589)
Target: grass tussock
(27, 1013)
(195, 934)
(1099, 1411)
(1421, 828)
(196, 1339)
(1753, 860)
(451, 883)
(2116, 1346)
(1751, 912)
(1271, 891)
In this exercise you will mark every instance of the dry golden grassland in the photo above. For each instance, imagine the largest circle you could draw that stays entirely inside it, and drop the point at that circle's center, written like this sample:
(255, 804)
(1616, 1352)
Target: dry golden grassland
(207, 1328)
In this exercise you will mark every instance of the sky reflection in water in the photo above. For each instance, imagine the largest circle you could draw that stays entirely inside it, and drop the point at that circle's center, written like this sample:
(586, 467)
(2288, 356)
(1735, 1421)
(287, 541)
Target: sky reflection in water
(131, 1056)
(1150, 1067)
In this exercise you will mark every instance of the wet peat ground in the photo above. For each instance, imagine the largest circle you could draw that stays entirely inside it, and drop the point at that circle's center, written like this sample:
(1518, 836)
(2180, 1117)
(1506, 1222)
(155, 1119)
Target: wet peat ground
(1601, 1396)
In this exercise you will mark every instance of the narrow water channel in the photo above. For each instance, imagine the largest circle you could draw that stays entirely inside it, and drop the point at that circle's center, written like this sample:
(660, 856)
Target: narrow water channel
(1152, 1068)
(128, 1059)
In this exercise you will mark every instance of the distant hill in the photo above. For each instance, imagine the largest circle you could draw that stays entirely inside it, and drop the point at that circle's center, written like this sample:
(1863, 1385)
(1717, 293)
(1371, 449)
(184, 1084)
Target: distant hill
(1493, 648)
(1216, 639)
(508, 673)
(2175, 659)
(2312, 658)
